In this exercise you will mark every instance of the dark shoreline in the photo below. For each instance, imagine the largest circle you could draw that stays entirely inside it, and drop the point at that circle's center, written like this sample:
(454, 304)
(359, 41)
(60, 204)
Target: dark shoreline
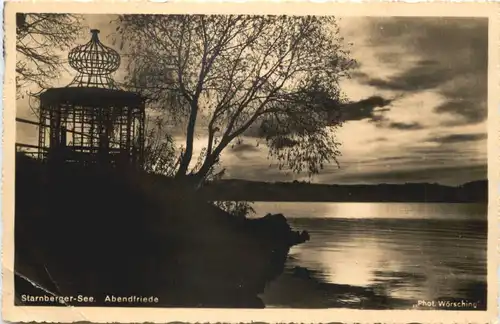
(134, 236)
(242, 190)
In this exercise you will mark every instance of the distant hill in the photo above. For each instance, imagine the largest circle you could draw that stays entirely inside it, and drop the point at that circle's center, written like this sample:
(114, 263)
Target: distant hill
(241, 190)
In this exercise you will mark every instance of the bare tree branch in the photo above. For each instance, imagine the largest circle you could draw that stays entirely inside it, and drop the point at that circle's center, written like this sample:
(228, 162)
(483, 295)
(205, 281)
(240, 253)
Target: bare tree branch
(41, 40)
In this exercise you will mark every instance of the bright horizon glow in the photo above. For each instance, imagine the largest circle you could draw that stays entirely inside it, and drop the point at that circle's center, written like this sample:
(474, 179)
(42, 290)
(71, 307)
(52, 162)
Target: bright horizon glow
(372, 210)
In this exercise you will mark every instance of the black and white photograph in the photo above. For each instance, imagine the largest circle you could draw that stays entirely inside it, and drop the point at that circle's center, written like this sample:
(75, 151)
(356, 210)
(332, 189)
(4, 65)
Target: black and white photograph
(251, 161)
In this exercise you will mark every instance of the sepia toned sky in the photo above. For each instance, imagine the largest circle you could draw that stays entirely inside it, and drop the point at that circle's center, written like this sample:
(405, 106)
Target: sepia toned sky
(434, 73)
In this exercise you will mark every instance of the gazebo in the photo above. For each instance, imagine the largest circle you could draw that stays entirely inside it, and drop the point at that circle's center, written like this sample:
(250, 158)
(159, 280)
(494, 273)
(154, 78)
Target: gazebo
(92, 120)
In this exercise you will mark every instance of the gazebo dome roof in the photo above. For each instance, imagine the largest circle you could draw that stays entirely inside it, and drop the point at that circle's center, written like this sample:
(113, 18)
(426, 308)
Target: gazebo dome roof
(94, 58)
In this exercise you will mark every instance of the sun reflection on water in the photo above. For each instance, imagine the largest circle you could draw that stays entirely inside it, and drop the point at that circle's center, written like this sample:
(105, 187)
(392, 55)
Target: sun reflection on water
(402, 252)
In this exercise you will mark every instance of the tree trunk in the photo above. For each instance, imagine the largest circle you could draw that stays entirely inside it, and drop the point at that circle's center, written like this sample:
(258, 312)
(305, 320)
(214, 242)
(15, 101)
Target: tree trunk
(205, 169)
(209, 162)
(188, 154)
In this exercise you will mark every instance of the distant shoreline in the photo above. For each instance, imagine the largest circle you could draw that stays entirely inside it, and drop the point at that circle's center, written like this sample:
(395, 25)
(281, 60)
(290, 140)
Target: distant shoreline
(243, 190)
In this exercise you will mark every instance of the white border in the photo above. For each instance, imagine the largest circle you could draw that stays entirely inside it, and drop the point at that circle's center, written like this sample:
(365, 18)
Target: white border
(134, 315)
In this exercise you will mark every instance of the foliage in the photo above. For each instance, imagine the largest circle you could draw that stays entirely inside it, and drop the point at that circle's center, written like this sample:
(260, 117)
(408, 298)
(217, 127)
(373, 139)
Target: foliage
(233, 72)
(241, 209)
(160, 155)
(40, 39)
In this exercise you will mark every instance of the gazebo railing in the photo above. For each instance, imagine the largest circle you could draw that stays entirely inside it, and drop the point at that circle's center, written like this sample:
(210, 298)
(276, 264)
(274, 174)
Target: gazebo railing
(74, 152)
(35, 151)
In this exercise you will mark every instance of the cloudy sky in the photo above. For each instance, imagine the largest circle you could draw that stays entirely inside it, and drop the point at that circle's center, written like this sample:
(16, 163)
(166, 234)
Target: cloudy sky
(433, 71)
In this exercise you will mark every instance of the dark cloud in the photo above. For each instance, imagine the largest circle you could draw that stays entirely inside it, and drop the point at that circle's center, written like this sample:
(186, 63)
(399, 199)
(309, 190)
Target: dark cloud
(433, 151)
(389, 58)
(379, 139)
(467, 112)
(451, 50)
(364, 109)
(381, 121)
(405, 126)
(389, 159)
(417, 78)
(370, 108)
(434, 37)
(428, 62)
(458, 138)
(373, 109)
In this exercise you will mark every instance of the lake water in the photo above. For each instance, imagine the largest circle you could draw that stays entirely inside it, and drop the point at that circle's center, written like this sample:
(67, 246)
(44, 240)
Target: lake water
(382, 255)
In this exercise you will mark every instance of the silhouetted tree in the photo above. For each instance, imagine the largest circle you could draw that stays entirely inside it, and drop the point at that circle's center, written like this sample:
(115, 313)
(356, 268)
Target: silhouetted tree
(279, 73)
(41, 39)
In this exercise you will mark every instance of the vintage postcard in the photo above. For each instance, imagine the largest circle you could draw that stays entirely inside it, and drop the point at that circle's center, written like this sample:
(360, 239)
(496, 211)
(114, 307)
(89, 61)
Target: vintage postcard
(295, 162)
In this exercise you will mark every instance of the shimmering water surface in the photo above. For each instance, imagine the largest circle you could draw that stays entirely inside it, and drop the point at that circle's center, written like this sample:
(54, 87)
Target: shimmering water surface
(381, 255)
